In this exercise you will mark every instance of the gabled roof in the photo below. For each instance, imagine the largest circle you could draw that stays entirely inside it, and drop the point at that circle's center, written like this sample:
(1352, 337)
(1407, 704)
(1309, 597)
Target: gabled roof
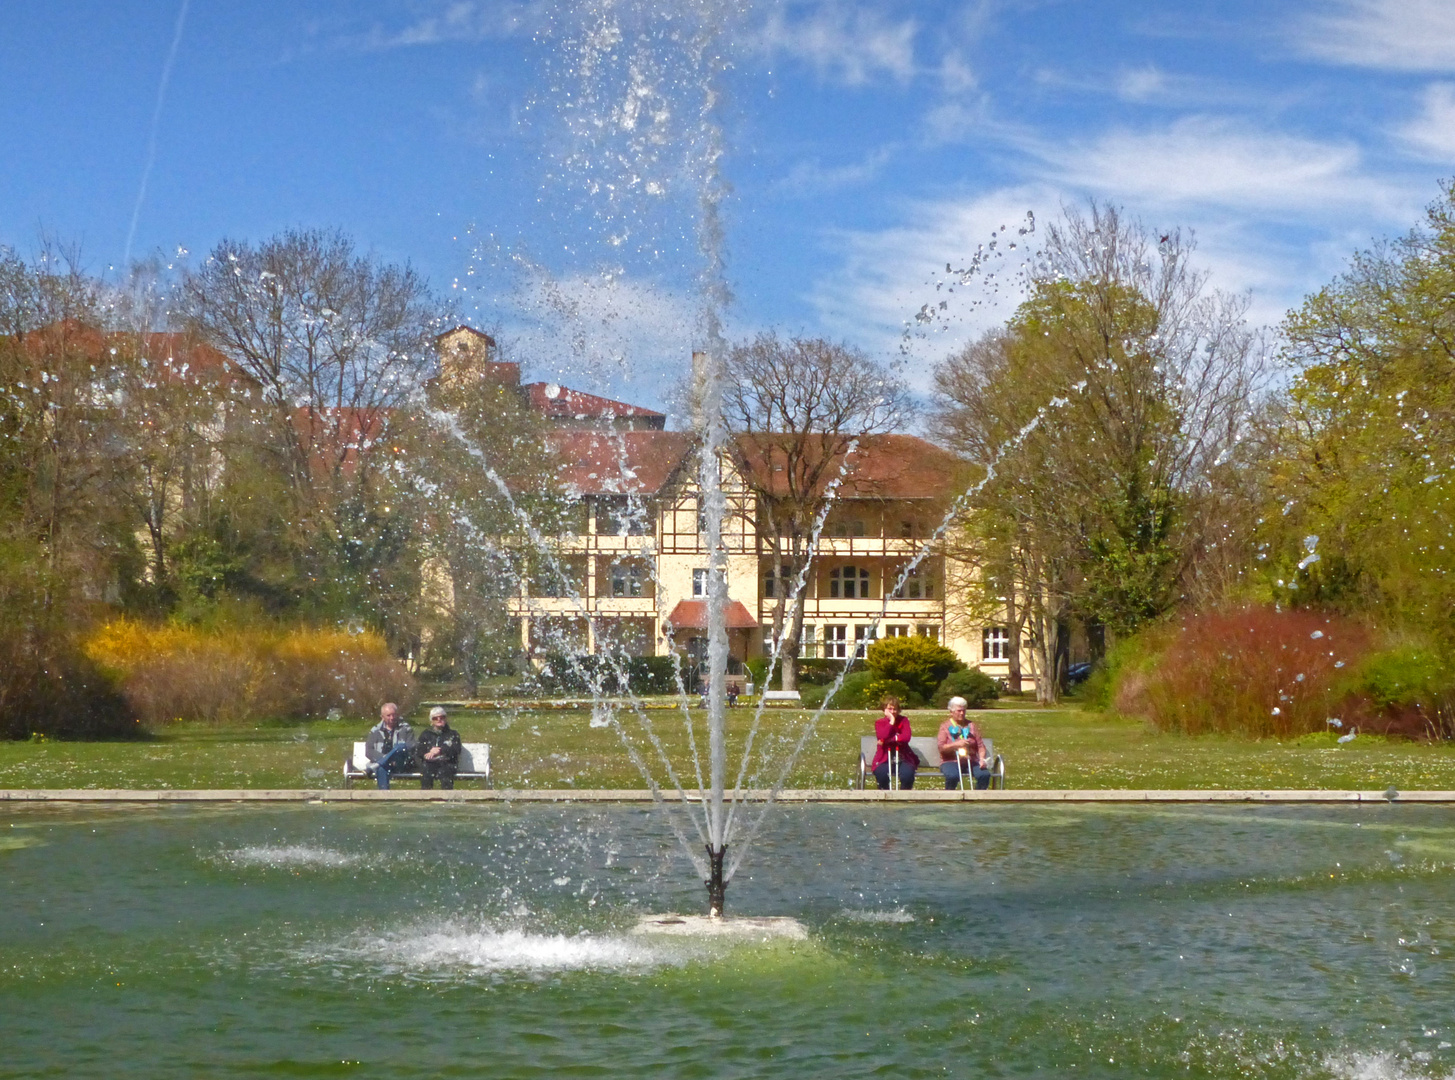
(692, 615)
(881, 467)
(556, 402)
(619, 462)
(479, 334)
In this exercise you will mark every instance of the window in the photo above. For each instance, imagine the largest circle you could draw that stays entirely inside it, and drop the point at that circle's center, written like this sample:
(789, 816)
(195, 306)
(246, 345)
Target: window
(566, 577)
(907, 530)
(918, 586)
(620, 515)
(929, 630)
(863, 638)
(699, 583)
(808, 644)
(845, 527)
(573, 518)
(849, 582)
(835, 644)
(995, 643)
(785, 577)
(626, 579)
(896, 630)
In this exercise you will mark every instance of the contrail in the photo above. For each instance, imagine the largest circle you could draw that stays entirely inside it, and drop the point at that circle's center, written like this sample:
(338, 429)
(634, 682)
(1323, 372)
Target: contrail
(146, 172)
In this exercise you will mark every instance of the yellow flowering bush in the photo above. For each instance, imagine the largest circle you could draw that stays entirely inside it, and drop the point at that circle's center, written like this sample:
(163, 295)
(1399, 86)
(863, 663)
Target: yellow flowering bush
(171, 672)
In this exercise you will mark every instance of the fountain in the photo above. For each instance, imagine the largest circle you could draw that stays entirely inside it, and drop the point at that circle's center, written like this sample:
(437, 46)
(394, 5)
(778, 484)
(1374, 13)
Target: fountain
(637, 93)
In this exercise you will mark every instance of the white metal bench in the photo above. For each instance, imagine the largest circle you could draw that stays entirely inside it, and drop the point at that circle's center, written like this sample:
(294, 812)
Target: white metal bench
(926, 750)
(474, 764)
(781, 697)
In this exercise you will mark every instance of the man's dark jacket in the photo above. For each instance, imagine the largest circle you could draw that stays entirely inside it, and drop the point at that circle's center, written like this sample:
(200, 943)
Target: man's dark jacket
(447, 739)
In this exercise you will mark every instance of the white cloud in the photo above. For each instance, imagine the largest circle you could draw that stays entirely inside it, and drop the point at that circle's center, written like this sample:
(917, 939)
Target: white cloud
(1398, 35)
(956, 75)
(1432, 133)
(843, 42)
(886, 276)
(882, 277)
(1143, 84)
(1212, 162)
(603, 333)
(456, 20)
(815, 178)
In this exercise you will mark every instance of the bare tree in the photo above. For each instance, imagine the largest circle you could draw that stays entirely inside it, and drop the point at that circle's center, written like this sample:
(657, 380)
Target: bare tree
(796, 408)
(339, 347)
(336, 342)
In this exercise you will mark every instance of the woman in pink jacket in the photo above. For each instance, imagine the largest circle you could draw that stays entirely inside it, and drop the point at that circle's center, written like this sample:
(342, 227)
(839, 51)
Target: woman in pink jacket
(892, 731)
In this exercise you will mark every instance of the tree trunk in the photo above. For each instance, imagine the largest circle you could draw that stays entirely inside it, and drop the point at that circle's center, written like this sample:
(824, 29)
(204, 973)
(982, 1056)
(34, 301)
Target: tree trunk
(1014, 618)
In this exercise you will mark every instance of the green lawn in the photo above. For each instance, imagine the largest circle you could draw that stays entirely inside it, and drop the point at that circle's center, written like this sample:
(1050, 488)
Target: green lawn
(1053, 748)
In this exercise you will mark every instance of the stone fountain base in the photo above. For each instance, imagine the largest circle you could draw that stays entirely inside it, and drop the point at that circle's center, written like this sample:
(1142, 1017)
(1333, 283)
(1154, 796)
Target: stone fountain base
(731, 926)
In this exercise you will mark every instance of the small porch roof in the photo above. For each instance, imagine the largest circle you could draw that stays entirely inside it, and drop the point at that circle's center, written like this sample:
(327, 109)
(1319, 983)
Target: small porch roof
(692, 615)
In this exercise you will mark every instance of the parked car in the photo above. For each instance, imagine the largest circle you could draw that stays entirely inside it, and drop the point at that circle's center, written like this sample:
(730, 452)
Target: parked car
(1077, 674)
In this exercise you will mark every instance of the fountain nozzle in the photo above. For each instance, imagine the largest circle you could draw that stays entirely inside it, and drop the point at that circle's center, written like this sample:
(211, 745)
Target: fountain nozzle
(716, 886)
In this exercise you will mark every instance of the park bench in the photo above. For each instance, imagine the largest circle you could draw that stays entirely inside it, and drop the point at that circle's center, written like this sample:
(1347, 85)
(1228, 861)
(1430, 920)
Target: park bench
(927, 751)
(781, 697)
(474, 764)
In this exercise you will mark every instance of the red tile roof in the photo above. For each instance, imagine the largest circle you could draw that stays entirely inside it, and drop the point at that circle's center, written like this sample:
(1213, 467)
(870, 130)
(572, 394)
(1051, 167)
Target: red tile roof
(176, 356)
(882, 467)
(558, 402)
(335, 438)
(625, 462)
(692, 615)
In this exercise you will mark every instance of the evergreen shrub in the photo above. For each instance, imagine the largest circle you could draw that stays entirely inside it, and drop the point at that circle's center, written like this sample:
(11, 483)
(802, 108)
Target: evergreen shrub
(920, 663)
(977, 688)
(877, 689)
(849, 696)
(49, 687)
(561, 674)
(819, 672)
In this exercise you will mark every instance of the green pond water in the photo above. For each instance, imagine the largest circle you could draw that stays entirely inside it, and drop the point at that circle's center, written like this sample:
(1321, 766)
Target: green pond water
(956, 940)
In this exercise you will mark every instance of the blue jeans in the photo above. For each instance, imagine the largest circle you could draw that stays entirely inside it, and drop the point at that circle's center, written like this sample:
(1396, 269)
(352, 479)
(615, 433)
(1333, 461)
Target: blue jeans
(906, 775)
(399, 757)
(951, 769)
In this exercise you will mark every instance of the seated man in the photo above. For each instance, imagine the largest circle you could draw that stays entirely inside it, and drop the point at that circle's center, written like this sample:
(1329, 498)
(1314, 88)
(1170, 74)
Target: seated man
(962, 751)
(390, 745)
(438, 752)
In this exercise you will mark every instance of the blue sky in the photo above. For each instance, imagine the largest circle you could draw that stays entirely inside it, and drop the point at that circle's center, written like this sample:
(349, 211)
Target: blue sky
(866, 145)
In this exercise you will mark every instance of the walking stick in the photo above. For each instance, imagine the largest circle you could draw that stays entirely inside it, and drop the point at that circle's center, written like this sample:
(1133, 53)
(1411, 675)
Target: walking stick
(893, 770)
(962, 757)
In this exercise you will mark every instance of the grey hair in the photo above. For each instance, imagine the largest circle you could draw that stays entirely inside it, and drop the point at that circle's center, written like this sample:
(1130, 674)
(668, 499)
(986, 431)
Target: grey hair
(438, 710)
(958, 703)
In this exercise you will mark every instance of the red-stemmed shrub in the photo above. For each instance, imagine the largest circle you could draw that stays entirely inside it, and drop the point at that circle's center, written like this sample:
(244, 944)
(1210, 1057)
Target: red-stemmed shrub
(1252, 671)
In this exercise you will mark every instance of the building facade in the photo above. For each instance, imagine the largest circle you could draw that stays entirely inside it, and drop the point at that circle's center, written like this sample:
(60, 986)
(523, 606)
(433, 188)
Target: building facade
(631, 566)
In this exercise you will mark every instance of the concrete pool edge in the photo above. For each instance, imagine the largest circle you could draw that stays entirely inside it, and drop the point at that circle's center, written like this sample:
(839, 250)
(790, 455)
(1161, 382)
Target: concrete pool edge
(796, 795)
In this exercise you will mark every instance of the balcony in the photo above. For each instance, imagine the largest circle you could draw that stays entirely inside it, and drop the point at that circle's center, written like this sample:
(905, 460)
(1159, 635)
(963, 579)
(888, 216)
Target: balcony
(824, 608)
(560, 606)
(865, 547)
